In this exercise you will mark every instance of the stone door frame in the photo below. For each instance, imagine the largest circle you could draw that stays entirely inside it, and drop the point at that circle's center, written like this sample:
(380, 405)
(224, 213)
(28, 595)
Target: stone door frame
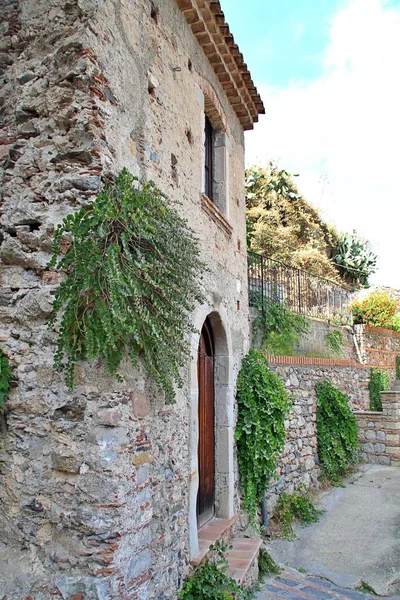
(224, 420)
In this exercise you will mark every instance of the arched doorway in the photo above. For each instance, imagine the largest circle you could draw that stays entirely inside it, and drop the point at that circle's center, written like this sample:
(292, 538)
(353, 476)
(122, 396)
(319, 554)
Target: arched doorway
(206, 424)
(215, 344)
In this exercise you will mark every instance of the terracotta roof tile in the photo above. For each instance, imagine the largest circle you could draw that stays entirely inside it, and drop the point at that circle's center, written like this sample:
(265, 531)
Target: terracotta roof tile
(207, 21)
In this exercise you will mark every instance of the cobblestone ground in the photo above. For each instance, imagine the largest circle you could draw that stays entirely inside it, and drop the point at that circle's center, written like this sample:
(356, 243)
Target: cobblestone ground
(293, 585)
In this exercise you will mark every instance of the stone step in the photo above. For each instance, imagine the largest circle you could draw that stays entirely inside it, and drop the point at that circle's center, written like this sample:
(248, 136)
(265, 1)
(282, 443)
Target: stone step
(216, 530)
(292, 585)
(243, 560)
(396, 386)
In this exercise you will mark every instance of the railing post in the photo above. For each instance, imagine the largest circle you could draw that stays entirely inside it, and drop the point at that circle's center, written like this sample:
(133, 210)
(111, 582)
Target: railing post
(299, 287)
(262, 284)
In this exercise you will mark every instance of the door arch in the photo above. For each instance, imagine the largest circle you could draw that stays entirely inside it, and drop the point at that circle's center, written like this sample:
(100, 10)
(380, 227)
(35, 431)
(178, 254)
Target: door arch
(206, 424)
(224, 478)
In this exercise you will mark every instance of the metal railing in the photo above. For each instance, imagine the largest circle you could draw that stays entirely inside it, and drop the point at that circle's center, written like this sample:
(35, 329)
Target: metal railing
(302, 292)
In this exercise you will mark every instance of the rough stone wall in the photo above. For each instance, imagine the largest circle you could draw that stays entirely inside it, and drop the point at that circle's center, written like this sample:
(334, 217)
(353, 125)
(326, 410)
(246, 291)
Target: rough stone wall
(379, 432)
(379, 347)
(298, 464)
(94, 484)
(314, 343)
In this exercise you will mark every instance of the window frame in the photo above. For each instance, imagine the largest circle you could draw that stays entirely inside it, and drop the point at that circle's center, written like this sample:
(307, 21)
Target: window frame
(208, 158)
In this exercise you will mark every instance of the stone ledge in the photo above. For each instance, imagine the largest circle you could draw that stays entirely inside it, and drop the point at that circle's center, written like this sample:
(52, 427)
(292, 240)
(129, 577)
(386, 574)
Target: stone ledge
(303, 361)
(216, 215)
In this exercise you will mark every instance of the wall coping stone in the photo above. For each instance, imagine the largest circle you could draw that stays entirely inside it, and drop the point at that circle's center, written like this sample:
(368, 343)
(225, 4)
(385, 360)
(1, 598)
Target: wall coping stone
(389, 332)
(304, 361)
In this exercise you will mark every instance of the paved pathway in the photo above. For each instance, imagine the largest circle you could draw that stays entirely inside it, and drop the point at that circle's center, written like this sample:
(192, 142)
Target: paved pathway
(356, 540)
(292, 585)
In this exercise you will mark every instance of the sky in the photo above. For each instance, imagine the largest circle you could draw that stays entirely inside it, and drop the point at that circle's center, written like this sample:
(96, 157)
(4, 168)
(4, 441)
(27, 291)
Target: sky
(329, 74)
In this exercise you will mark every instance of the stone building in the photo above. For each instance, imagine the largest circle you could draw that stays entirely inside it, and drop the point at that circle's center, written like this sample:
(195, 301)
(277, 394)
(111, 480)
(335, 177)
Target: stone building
(99, 488)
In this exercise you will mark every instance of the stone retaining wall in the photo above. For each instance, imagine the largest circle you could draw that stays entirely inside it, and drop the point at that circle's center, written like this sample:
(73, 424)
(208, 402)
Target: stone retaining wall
(379, 432)
(299, 461)
(379, 347)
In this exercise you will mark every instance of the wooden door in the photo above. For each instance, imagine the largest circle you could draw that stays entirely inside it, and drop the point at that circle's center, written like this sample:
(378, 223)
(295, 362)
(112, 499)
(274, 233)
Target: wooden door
(206, 454)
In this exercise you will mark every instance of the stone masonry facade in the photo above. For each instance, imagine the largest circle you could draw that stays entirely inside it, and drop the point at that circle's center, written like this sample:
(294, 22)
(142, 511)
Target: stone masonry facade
(379, 432)
(298, 465)
(98, 486)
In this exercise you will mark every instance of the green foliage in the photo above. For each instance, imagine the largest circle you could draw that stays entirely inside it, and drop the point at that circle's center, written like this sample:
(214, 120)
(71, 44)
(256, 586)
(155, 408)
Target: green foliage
(266, 564)
(285, 226)
(299, 506)
(5, 376)
(379, 382)
(211, 582)
(337, 431)
(398, 366)
(377, 309)
(355, 259)
(263, 405)
(280, 327)
(334, 341)
(133, 278)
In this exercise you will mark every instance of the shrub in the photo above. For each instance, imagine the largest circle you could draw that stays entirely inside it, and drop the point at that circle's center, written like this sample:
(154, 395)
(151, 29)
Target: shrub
(334, 341)
(298, 506)
(211, 582)
(379, 382)
(337, 431)
(279, 325)
(133, 279)
(263, 405)
(378, 309)
(266, 564)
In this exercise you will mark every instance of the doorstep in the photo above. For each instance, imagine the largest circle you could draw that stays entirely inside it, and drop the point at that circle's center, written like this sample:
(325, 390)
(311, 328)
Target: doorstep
(242, 558)
(215, 530)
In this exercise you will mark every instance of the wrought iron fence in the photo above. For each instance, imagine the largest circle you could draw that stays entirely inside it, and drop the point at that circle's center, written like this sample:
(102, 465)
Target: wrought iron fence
(297, 289)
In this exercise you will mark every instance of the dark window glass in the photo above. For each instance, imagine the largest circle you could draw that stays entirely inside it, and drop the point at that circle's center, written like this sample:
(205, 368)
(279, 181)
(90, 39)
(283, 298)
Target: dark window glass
(208, 166)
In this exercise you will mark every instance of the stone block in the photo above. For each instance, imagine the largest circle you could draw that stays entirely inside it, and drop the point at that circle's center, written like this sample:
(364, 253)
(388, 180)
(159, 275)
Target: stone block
(140, 563)
(379, 447)
(66, 461)
(368, 448)
(370, 435)
(140, 404)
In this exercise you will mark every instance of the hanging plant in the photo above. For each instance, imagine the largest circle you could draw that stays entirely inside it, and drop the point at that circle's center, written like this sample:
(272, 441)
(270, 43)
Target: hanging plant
(134, 277)
(337, 431)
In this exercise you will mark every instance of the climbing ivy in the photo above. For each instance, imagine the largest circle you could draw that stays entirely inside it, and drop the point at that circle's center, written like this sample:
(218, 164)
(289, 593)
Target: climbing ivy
(133, 278)
(279, 326)
(334, 341)
(379, 382)
(398, 366)
(263, 405)
(5, 376)
(210, 580)
(337, 431)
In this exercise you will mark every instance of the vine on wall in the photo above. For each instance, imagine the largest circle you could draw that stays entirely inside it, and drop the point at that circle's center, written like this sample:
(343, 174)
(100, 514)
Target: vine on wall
(398, 366)
(337, 431)
(134, 276)
(263, 405)
(279, 326)
(379, 382)
(5, 376)
(334, 341)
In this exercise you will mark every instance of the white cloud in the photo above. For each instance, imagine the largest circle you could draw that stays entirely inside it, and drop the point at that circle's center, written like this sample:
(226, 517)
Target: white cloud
(341, 132)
